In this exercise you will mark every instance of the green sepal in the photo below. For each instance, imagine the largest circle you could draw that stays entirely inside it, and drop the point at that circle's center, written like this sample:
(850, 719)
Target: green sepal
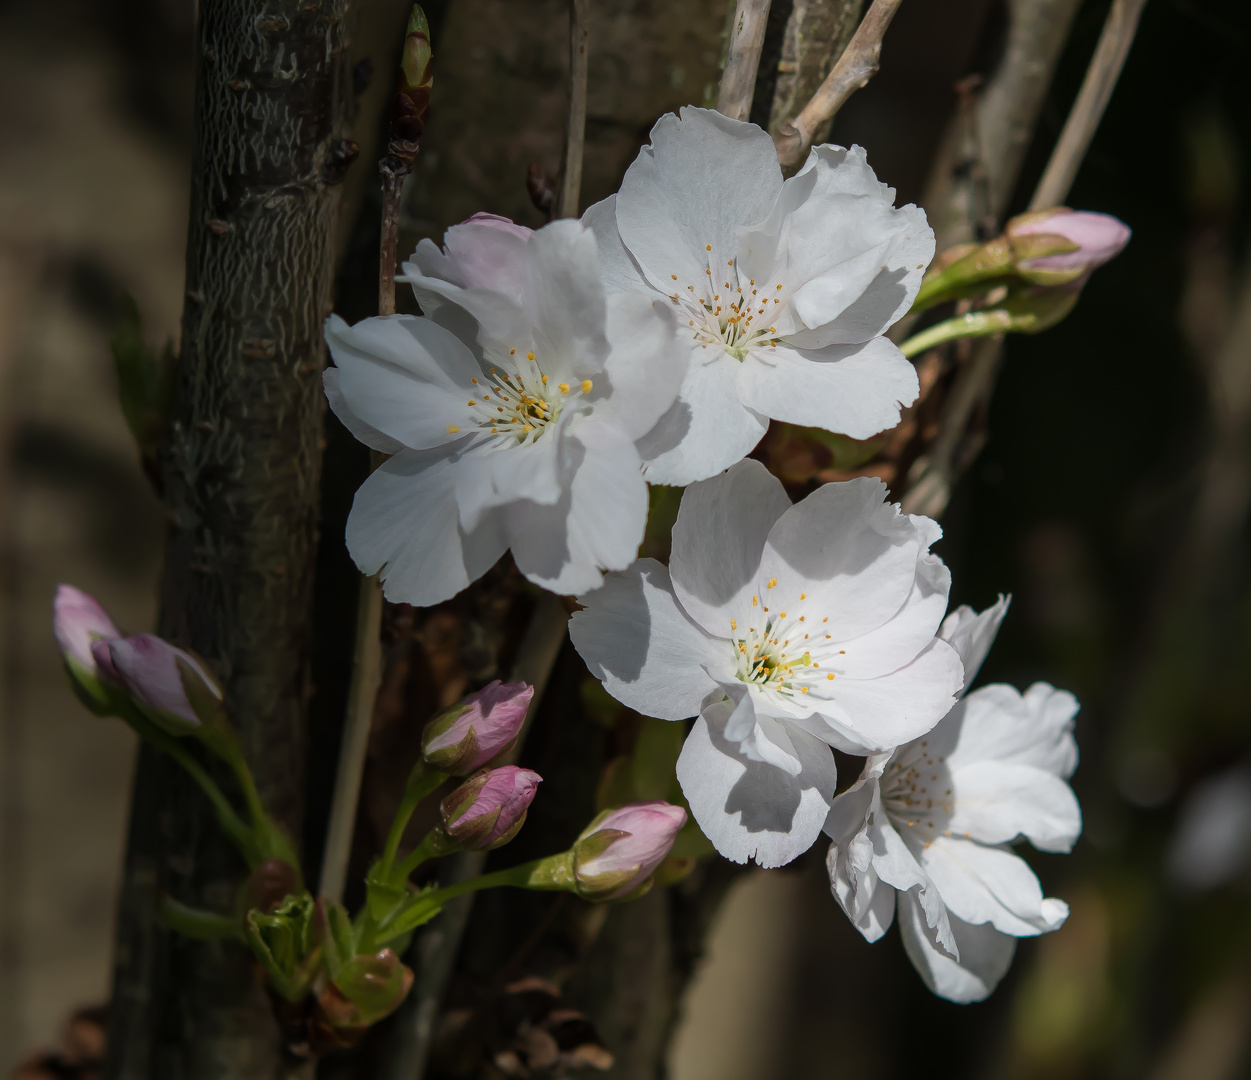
(334, 932)
(417, 909)
(282, 942)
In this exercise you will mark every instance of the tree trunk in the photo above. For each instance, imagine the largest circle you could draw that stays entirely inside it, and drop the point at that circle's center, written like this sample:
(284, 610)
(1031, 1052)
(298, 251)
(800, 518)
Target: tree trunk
(241, 476)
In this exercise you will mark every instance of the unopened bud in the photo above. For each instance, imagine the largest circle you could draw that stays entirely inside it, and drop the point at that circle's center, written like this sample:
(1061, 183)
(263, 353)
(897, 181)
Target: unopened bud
(617, 853)
(1054, 247)
(170, 686)
(412, 96)
(474, 731)
(78, 621)
(488, 809)
(365, 990)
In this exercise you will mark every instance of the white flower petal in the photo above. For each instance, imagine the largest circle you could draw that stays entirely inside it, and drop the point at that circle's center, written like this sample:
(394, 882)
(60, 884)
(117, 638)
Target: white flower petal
(598, 523)
(856, 390)
(565, 302)
(852, 554)
(718, 539)
(988, 884)
(482, 253)
(647, 365)
(617, 268)
(849, 217)
(493, 476)
(899, 641)
(648, 653)
(997, 801)
(361, 431)
(867, 901)
(985, 955)
(707, 429)
(871, 715)
(896, 865)
(750, 809)
(404, 524)
(404, 377)
(971, 634)
(998, 723)
(701, 179)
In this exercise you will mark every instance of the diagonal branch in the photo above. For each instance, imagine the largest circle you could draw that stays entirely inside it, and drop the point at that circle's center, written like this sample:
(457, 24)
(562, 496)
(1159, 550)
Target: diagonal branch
(1092, 100)
(738, 82)
(857, 65)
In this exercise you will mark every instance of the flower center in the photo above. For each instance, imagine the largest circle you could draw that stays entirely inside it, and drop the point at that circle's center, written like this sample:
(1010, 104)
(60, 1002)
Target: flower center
(732, 315)
(518, 406)
(917, 792)
(782, 651)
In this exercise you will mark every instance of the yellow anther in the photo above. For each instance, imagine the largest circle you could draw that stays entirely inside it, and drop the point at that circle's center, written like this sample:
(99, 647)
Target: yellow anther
(474, 381)
(707, 247)
(674, 276)
(452, 429)
(708, 272)
(779, 286)
(511, 352)
(803, 596)
(529, 356)
(733, 624)
(527, 427)
(803, 689)
(773, 582)
(563, 387)
(754, 601)
(782, 615)
(471, 402)
(544, 380)
(586, 386)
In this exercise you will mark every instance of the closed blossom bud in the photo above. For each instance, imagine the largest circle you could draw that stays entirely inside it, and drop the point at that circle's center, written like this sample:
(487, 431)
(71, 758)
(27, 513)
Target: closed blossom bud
(474, 731)
(617, 853)
(412, 96)
(1057, 246)
(488, 809)
(170, 686)
(78, 621)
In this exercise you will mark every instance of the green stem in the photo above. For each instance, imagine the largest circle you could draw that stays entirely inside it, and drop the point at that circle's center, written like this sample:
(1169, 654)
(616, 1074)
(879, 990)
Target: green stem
(195, 923)
(974, 324)
(421, 782)
(429, 848)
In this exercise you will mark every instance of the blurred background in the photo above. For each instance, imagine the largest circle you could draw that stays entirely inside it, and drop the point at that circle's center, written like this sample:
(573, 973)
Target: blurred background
(1111, 498)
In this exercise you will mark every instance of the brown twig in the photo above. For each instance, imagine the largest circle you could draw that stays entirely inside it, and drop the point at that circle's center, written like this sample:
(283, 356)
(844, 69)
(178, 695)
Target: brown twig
(1092, 100)
(408, 120)
(575, 141)
(857, 65)
(738, 81)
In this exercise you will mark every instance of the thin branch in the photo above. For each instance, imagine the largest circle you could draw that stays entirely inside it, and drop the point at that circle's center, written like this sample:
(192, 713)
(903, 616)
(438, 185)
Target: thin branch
(408, 120)
(738, 81)
(366, 665)
(437, 946)
(857, 65)
(571, 183)
(1092, 100)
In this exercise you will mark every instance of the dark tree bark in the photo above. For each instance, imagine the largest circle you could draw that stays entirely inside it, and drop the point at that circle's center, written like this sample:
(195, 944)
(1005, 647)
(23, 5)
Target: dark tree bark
(241, 472)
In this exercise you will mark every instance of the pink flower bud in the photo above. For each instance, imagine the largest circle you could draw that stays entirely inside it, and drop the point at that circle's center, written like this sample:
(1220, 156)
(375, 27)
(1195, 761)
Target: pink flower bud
(488, 809)
(77, 621)
(171, 686)
(477, 729)
(620, 849)
(1094, 238)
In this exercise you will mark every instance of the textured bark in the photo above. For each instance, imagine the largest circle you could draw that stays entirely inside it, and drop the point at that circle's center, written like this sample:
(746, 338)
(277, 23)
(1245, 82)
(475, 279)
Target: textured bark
(241, 480)
(816, 33)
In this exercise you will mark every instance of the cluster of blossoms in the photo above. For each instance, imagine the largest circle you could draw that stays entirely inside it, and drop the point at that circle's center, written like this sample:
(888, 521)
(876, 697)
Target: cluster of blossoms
(555, 373)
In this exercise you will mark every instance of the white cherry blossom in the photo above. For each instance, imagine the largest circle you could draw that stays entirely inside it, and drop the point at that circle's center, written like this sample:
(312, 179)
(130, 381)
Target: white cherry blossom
(787, 630)
(928, 826)
(784, 288)
(513, 415)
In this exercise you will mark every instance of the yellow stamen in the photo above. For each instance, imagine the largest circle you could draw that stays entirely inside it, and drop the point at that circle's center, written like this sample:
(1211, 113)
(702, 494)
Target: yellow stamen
(586, 386)
(452, 429)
